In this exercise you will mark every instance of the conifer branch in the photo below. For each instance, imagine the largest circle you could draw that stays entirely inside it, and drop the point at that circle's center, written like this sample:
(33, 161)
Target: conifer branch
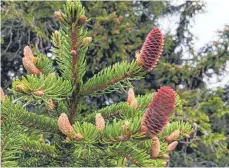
(112, 76)
(37, 147)
(29, 119)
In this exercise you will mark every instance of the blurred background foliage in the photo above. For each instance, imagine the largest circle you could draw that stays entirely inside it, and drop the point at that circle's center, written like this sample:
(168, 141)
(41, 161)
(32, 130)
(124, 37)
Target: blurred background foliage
(118, 30)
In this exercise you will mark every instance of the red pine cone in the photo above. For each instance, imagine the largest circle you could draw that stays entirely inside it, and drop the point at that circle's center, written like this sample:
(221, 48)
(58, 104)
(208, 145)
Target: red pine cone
(159, 110)
(151, 50)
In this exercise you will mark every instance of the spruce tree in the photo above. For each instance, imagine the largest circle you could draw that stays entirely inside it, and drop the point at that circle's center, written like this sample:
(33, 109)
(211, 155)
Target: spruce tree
(44, 122)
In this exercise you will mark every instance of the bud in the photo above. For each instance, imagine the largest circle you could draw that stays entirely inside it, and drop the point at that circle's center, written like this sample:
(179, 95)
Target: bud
(125, 128)
(52, 75)
(28, 53)
(164, 163)
(131, 100)
(165, 156)
(82, 19)
(78, 136)
(138, 58)
(99, 122)
(186, 136)
(155, 147)
(21, 88)
(65, 126)
(57, 33)
(30, 67)
(3, 96)
(117, 20)
(173, 136)
(58, 15)
(172, 146)
(51, 105)
(73, 53)
(151, 50)
(116, 31)
(39, 93)
(87, 40)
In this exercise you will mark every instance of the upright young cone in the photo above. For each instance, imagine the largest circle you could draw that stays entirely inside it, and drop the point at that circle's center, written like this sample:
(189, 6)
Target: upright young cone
(151, 50)
(131, 100)
(172, 146)
(3, 97)
(155, 147)
(82, 19)
(28, 53)
(173, 136)
(99, 122)
(30, 67)
(65, 126)
(125, 128)
(39, 92)
(21, 88)
(159, 110)
(51, 105)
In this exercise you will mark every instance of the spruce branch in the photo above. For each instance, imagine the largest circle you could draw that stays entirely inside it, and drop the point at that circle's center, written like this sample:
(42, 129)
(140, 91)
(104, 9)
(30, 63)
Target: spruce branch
(112, 78)
(10, 142)
(33, 146)
(42, 87)
(28, 119)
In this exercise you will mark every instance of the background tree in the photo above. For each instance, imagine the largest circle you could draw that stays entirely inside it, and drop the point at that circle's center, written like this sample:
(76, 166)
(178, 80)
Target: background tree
(118, 30)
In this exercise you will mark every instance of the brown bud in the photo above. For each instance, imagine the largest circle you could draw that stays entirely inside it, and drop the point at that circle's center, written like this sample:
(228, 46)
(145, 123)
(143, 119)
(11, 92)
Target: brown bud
(82, 19)
(100, 122)
(164, 163)
(172, 146)
(73, 53)
(56, 33)
(155, 147)
(116, 31)
(165, 156)
(65, 126)
(125, 128)
(138, 58)
(39, 93)
(78, 137)
(58, 16)
(87, 40)
(173, 136)
(30, 67)
(21, 88)
(186, 136)
(3, 96)
(116, 20)
(51, 105)
(28, 53)
(131, 100)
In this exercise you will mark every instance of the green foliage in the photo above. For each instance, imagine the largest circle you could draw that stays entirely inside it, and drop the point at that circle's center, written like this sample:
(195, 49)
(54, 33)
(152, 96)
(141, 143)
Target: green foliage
(118, 30)
(18, 114)
(53, 87)
(112, 78)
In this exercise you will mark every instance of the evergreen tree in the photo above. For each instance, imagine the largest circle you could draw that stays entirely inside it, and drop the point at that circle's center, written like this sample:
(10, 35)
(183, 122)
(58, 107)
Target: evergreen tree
(118, 30)
(136, 132)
